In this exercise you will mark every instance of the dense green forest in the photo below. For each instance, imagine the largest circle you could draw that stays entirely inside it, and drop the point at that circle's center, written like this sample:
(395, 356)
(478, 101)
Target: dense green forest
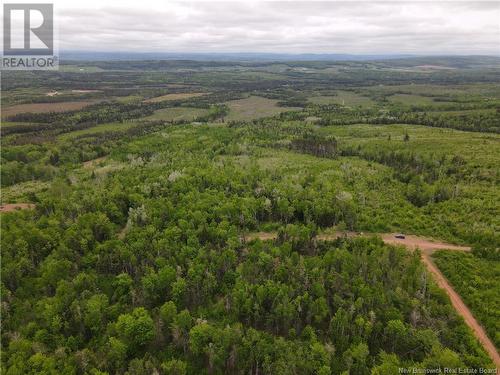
(477, 279)
(137, 257)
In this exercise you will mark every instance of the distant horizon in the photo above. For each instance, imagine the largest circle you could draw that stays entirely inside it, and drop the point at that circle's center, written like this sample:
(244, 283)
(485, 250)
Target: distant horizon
(249, 56)
(451, 54)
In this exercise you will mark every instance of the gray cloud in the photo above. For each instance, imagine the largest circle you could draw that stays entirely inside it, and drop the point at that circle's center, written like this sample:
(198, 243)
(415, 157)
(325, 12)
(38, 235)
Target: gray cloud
(296, 26)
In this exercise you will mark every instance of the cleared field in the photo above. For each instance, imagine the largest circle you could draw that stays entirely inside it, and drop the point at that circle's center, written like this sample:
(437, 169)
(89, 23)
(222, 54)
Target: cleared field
(79, 69)
(70, 92)
(463, 112)
(177, 114)
(9, 207)
(488, 90)
(90, 164)
(84, 91)
(129, 99)
(45, 107)
(22, 190)
(410, 99)
(178, 96)
(254, 107)
(423, 139)
(471, 215)
(345, 98)
(115, 126)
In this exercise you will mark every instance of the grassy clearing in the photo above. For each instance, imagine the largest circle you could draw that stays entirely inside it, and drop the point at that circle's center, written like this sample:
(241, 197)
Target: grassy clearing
(254, 107)
(100, 167)
(45, 107)
(19, 192)
(178, 96)
(98, 129)
(21, 95)
(91, 164)
(129, 99)
(475, 208)
(423, 139)
(410, 99)
(463, 112)
(433, 90)
(6, 124)
(79, 69)
(177, 114)
(12, 207)
(347, 98)
(385, 207)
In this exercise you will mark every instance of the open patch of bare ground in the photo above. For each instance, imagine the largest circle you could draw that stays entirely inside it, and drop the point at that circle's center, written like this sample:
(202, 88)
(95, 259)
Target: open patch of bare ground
(90, 164)
(173, 96)
(9, 207)
(45, 107)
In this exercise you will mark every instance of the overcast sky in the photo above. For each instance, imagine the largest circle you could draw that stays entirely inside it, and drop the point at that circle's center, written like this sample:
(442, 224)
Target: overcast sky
(416, 27)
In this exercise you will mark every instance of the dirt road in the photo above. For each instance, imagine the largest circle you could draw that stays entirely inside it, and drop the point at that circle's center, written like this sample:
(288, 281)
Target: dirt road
(461, 308)
(427, 247)
(424, 244)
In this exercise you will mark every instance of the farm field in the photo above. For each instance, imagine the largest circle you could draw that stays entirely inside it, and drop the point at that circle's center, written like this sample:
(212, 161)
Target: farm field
(249, 225)
(45, 107)
(252, 108)
(129, 99)
(177, 114)
(410, 99)
(80, 69)
(345, 98)
(177, 96)
(103, 128)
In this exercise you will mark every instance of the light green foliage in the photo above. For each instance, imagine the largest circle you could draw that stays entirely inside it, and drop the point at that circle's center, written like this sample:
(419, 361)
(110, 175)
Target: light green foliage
(139, 258)
(136, 328)
(477, 280)
(174, 367)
